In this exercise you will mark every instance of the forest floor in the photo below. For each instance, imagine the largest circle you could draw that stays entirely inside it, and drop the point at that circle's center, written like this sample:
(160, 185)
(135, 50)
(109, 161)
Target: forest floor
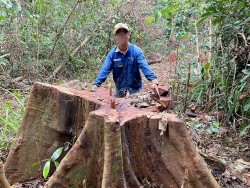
(226, 153)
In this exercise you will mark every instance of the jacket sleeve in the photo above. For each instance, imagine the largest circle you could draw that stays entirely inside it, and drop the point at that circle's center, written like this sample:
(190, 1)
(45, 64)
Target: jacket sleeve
(104, 72)
(142, 62)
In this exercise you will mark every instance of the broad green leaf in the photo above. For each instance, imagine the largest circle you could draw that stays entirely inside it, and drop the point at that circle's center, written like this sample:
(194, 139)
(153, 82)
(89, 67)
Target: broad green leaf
(57, 154)
(46, 169)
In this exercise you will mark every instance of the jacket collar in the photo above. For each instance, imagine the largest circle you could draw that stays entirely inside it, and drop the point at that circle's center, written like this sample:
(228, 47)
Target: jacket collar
(118, 49)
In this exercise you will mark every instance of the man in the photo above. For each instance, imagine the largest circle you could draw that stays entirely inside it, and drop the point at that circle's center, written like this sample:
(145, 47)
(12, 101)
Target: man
(125, 60)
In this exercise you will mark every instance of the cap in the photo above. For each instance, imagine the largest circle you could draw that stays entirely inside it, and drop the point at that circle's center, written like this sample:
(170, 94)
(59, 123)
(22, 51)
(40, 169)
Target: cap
(120, 26)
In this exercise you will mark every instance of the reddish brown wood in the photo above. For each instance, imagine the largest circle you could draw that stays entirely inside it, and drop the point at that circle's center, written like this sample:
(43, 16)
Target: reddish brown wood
(119, 147)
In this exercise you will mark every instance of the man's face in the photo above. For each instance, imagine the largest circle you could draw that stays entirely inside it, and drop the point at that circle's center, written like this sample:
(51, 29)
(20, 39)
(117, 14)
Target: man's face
(122, 37)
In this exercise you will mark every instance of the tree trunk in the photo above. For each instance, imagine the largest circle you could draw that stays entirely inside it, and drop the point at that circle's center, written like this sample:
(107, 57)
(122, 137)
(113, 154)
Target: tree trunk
(122, 147)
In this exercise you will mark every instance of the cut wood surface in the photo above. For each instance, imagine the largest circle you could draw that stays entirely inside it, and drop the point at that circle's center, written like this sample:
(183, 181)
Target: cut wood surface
(121, 147)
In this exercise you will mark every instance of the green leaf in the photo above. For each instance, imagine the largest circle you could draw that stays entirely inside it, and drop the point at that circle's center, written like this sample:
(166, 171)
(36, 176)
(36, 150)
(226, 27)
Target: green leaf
(32, 167)
(207, 66)
(59, 82)
(2, 15)
(4, 55)
(241, 5)
(157, 15)
(201, 20)
(244, 78)
(216, 124)
(56, 164)
(223, 161)
(164, 11)
(206, 14)
(18, 7)
(66, 148)
(245, 71)
(56, 154)
(209, 130)
(46, 169)
(149, 20)
(217, 20)
(244, 131)
(199, 125)
(4, 2)
(246, 107)
(215, 130)
(4, 63)
(114, 2)
(211, 9)
(8, 5)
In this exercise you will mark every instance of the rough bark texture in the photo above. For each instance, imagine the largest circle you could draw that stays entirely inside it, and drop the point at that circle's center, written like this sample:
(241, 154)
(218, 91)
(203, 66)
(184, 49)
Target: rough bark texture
(119, 147)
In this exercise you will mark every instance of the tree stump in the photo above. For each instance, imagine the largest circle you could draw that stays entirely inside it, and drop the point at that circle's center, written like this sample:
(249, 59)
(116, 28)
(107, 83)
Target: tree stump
(121, 147)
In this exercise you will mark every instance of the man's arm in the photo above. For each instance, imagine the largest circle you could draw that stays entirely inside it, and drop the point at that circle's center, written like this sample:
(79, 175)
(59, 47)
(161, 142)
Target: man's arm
(149, 74)
(104, 72)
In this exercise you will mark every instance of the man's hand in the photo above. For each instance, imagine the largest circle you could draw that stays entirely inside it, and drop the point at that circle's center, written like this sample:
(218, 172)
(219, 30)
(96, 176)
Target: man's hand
(154, 84)
(155, 88)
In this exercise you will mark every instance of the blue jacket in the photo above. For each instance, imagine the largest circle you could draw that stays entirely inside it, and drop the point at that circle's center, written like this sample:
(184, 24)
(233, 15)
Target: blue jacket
(126, 73)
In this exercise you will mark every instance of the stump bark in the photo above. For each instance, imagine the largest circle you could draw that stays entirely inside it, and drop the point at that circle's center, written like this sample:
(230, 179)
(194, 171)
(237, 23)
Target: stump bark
(122, 147)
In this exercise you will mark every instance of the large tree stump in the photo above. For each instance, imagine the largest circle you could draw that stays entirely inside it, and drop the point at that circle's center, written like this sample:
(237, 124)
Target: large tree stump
(121, 147)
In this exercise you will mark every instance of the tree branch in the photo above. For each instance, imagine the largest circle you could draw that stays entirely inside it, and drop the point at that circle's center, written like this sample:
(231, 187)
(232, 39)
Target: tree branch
(62, 29)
